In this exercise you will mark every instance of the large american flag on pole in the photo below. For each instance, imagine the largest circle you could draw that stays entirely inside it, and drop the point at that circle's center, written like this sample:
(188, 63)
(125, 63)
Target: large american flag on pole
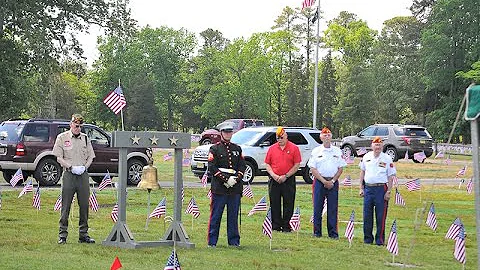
(459, 252)
(192, 208)
(350, 227)
(115, 100)
(16, 177)
(307, 3)
(107, 180)
(92, 201)
(454, 229)
(58, 203)
(36, 198)
(392, 243)
(413, 185)
(260, 206)
(27, 188)
(432, 218)
(160, 210)
(114, 214)
(295, 220)
(267, 224)
(398, 198)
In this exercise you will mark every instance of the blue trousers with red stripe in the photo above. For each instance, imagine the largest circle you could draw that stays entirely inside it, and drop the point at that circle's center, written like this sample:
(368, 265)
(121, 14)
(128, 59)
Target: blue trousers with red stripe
(319, 195)
(374, 200)
(232, 201)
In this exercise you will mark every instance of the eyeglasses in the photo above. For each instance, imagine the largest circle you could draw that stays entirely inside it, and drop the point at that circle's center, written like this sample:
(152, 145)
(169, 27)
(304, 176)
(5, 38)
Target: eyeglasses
(77, 126)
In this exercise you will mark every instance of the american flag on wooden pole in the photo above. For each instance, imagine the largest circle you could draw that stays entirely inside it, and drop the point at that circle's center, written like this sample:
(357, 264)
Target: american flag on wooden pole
(398, 198)
(267, 225)
(209, 194)
(36, 198)
(395, 181)
(160, 210)
(172, 262)
(413, 185)
(295, 220)
(247, 191)
(260, 206)
(92, 201)
(192, 208)
(16, 177)
(114, 214)
(349, 232)
(392, 243)
(27, 188)
(432, 218)
(58, 203)
(107, 180)
(454, 229)
(459, 252)
(115, 100)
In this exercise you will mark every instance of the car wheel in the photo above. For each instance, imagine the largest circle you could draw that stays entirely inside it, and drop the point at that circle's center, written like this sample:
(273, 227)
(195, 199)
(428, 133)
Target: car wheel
(8, 174)
(348, 149)
(206, 141)
(392, 152)
(135, 168)
(307, 176)
(48, 172)
(249, 173)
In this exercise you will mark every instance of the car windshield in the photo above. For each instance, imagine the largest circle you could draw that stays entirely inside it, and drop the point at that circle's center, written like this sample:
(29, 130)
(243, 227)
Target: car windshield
(246, 137)
(10, 131)
(413, 132)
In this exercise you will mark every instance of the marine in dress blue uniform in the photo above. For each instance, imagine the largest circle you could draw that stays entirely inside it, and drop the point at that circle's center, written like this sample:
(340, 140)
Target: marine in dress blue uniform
(326, 165)
(227, 166)
(376, 177)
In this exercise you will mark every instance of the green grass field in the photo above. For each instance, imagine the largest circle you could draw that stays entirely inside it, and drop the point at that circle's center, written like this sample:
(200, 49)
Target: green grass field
(29, 236)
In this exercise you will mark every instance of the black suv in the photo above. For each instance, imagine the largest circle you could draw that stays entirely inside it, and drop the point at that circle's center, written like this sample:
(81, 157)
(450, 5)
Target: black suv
(28, 144)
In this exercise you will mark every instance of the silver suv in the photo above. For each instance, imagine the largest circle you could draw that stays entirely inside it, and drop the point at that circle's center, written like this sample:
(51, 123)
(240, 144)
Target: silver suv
(255, 142)
(397, 140)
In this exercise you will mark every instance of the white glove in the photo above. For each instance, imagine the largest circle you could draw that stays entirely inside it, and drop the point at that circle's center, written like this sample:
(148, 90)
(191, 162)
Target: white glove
(81, 170)
(78, 170)
(232, 180)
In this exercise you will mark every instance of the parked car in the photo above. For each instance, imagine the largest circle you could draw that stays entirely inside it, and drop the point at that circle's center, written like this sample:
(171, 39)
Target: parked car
(255, 142)
(211, 136)
(28, 144)
(397, 140)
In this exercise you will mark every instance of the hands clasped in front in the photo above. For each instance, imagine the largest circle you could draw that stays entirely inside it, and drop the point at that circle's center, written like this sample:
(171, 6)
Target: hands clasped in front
(78, 170)
(232, 180)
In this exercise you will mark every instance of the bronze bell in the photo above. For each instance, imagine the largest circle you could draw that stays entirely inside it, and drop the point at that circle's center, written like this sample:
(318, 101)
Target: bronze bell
(149, 179)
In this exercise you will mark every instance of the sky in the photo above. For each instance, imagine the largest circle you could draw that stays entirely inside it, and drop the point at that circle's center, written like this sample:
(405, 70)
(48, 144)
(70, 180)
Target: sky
(242, 18)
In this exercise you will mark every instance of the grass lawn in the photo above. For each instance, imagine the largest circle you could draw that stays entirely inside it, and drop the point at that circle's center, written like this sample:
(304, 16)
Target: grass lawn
(29, 236)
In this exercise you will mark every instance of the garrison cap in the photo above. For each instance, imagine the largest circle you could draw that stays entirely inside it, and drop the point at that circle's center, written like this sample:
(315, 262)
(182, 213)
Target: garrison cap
(377, 140)
(280, 131)
(325, 130)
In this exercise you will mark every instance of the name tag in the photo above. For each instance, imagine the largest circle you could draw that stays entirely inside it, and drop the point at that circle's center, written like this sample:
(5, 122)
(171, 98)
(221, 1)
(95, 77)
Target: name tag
(67, 144)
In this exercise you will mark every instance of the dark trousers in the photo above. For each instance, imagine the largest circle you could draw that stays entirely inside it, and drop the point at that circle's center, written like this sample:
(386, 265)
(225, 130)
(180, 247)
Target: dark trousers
(72, 184)
(276, 192)
(232, 201)
(374, 199)
(319, 195)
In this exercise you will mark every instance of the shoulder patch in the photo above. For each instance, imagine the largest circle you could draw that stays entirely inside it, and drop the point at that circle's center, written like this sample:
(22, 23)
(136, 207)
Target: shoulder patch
(210, 156)
(391, 165)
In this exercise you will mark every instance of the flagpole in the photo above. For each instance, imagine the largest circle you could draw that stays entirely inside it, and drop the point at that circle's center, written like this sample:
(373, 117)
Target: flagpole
(121, 111)
(315, 88)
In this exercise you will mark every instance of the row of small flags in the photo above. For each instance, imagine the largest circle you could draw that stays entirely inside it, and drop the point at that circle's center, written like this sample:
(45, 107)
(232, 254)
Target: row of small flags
(172, 263)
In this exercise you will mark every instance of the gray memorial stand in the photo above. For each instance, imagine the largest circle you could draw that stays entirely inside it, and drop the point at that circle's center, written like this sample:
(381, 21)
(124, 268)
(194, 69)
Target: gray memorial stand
(120, 236)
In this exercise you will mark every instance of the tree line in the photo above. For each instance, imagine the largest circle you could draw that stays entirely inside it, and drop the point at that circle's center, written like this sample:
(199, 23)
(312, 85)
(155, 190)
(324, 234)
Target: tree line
(415, 71)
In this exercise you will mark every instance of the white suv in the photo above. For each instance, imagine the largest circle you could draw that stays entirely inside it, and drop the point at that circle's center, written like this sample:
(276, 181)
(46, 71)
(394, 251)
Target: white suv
(255, 142)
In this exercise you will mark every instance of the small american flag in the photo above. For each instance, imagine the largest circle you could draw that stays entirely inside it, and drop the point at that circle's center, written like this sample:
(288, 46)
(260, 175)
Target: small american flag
(324, 211)
(192, 208)
(420, 156)
(168, 156)
(470, 186)
(454, 229)
(361, 151)
(347, 182)
(392, 243)
(209, 194)
(413, 185)
(267, 224)
(395, 180)
(186, 162)
(448, 160)
(183, 195)
(432, 218)
(58, 203)
(439, 155)
(173, 263)
(204, 179)
(307, 3)
(260, 206)
(350, 227)
(406, 156)
(462, 171)
(247, 191)
(398, 198)
(295, 220)
(459, 252)
(36, 199)
(16, 177)
(92, 201)
(27, 188)
(115, 100)
(160, 210)
(114, 214)
(107, 180)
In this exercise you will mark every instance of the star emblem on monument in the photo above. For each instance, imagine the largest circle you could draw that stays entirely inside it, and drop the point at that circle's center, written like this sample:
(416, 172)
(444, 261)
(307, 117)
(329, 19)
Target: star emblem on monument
(154, 140)
(173, 140)
(135, 139)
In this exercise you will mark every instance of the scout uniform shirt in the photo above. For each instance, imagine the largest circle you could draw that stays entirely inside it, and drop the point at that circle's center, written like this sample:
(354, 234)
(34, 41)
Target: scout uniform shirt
(377, 170)
(327, 160)
(74, 150)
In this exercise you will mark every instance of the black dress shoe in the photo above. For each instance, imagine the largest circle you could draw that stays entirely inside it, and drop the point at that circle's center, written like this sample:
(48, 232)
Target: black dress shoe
(86, 239)
(62, 240)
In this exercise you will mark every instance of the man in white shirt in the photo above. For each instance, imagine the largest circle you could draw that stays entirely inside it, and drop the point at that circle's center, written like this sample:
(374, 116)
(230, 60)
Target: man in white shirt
(376, 177)
(326, 164)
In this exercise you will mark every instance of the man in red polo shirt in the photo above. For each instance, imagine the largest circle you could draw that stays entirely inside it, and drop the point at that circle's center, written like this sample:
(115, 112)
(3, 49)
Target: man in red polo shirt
(282, 162)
